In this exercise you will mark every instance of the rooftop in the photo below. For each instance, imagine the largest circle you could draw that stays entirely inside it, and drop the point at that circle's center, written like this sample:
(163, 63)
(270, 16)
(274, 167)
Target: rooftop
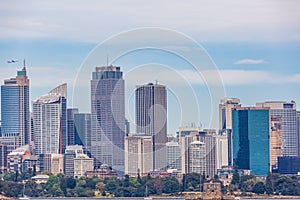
(48, 98)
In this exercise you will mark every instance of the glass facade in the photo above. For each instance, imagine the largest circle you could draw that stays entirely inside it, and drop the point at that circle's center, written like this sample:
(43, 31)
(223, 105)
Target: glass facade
(108, 117)
(287, 112)
(151, 119)
(10, 108)
(82, 135)
(49, 124)
(71, 125)
(15, 111)
(251, 149)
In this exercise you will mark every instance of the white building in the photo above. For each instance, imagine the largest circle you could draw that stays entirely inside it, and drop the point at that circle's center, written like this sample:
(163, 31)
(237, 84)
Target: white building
(47, 123)
(82, 164)
(197, 162)
(221, 150)
(138, 154)
(173, 155)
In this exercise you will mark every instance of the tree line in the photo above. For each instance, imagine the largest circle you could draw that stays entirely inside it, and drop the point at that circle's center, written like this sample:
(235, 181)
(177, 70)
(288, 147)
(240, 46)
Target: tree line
(11, 185)
(272, 184)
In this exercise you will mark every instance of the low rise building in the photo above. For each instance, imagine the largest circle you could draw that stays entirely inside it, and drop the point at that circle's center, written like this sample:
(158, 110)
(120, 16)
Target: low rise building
(82, 164)
(102, 173)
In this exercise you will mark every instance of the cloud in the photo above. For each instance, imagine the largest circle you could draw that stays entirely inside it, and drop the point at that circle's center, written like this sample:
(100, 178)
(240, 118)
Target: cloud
(178, 78)
(250, 62)
(268, 20)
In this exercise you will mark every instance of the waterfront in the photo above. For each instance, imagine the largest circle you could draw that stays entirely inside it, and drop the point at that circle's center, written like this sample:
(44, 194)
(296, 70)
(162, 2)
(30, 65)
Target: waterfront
(141, 198)
(87, 198)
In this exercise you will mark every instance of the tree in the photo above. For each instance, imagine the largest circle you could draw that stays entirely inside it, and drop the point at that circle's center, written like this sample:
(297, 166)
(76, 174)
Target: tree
(31, 188)
(126, 181)
(90, 183)
(269, 184)
(100, 186)
(155, 186)
(236, 177)
(139, 176)
(170, 185)
(259, 188)
(11, 189)
(247, 182)
(17, 174)
(71, 182)
(52, 184)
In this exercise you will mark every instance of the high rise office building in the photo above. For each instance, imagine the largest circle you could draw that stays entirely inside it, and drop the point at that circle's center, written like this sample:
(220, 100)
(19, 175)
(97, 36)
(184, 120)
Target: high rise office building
(49, 124)
(173, 155)
(62, 91)
(208, 137)
(197, 161)
(222, 150)
(138, 154)
(71, 125)
(108, 117)
(251, 145)
(287, 112)
(15, 111)
(151, 119)
(298, 130)
(275, 141)
(185, 140)
(186, 130)
(82, 129)
(225, 121)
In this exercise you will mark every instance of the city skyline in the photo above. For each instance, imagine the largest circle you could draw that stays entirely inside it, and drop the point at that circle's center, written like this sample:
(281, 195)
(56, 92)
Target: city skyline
(272, 124)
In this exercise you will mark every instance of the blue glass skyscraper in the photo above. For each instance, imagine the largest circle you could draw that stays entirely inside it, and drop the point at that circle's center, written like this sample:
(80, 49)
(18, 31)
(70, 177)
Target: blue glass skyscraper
(15, 111)
(251, 149)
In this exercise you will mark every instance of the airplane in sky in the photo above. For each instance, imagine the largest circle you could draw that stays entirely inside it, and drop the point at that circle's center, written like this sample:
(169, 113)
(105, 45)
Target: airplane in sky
(12, 61)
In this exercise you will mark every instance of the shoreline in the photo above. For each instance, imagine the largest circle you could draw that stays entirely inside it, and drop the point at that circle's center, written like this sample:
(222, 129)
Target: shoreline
(270, 197)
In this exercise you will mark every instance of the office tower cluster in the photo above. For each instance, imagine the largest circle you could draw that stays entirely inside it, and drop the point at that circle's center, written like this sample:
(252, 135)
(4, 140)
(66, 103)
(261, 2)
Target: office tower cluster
(58, 139)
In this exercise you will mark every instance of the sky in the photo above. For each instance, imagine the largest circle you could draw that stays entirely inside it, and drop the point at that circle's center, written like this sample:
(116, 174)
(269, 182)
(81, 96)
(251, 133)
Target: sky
(254, 46)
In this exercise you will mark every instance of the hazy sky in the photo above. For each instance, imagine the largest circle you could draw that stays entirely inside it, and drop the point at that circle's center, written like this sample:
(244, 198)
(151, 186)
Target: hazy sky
(254, 44)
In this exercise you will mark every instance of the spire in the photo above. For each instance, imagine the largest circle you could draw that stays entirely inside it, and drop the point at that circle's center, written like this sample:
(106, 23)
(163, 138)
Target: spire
(24, 67)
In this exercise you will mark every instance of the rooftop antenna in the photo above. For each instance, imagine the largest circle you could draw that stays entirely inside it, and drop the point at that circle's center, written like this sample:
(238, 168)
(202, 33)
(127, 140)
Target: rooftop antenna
(107, 60)
(24, 64)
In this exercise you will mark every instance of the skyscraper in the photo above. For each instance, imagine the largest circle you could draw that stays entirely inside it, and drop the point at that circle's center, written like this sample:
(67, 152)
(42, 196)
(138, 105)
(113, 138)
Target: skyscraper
(225, 121)
(208, 137)
(221, 150)
(173, 155)
(71, 125)
(298, 130)
(62, 91)
(197, 157)
(15, 111)
(108, 117)
(251, 145)
(138, 154)
(82, 129)
(275, 140)
(287, 112)
(49, 124)
(151, 119)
